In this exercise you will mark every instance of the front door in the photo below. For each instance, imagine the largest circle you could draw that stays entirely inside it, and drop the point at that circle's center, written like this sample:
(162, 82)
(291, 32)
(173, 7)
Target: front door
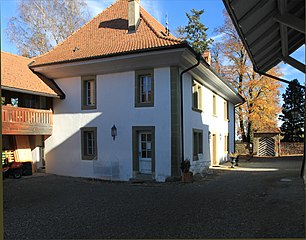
(145, 152)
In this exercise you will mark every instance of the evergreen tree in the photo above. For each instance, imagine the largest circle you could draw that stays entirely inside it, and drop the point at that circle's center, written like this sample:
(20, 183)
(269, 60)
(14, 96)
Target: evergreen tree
(293, 113)
(195, 32)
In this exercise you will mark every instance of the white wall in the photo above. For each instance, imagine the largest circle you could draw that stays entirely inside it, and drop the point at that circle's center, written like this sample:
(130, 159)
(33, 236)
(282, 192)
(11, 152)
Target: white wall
(206, 122)
(115, 105)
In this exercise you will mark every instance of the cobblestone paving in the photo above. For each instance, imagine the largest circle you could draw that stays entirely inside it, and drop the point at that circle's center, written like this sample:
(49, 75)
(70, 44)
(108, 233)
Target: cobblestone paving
(261, 198)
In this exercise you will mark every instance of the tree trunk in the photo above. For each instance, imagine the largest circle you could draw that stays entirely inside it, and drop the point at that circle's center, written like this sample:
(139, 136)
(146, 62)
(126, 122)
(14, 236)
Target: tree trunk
(241, 125)
(240, 114)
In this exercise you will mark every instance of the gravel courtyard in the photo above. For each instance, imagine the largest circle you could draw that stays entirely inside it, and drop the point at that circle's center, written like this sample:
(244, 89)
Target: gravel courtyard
(262, 198)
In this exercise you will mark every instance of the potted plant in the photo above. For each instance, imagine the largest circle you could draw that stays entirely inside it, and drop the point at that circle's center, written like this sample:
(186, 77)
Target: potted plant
(187, 176)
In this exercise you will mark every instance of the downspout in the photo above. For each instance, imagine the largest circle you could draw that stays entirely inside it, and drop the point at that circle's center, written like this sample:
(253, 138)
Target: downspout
(198, 57)
(278, 79)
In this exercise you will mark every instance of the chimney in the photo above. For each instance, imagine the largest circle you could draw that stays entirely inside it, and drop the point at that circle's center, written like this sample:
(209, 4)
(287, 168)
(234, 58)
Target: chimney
(207, 56)
(133, 15)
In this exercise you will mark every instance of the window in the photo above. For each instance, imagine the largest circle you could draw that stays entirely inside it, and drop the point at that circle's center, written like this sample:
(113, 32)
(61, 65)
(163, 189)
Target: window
(226, 143)
(197, 144)
(196, 96)
(89, 143)
(225, 110)
(144, 88)
(88, 92)
(214, 105)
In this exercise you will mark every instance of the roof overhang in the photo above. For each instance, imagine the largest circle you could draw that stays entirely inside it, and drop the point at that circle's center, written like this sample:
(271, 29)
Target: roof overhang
(112, 63)
(184, 57)
(210, 79)
(270, 30)
(29, 92)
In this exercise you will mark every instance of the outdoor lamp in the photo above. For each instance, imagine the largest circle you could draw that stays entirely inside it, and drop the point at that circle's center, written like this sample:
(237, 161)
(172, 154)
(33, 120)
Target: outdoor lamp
(209, 135)
(114, 132)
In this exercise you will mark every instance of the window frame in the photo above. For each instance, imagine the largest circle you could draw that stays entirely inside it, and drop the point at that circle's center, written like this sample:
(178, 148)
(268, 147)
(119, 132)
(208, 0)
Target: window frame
(84, 89)
(214, 107)
(85, 155)
(138, 75)
(197, 148)
(226, 143)
(197, 105)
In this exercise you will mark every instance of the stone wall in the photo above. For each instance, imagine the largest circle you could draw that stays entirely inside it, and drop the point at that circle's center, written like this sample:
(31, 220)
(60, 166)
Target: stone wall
(291, 148)
(242, 148)
(286, 148)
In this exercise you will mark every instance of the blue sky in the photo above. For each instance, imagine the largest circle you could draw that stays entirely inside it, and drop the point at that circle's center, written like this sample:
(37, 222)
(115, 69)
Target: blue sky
(174, 9)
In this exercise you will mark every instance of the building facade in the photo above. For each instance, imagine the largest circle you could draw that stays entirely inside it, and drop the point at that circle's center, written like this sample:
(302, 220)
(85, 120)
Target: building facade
(27, 116)
(131, 108)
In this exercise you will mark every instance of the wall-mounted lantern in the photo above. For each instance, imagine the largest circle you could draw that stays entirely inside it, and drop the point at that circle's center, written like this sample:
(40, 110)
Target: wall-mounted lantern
(114, 132)
(209, 135)
(220, 137)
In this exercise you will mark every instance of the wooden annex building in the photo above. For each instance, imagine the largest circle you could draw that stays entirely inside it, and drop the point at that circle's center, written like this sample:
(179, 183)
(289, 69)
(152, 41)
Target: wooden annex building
(26, 111)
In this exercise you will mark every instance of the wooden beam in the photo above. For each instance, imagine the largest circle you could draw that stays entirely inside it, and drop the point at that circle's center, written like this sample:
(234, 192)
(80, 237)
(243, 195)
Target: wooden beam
(254, 9)
(271, 30)
(284, 40)
(291, 21)
(25, 129)
(282, 7)
(264, 59)
(260, 23)
(274, 41)
(294, 63)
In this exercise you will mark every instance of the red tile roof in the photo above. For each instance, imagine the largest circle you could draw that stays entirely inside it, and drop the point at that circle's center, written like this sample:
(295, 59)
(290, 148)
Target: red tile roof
(107, 34)
(15, 74)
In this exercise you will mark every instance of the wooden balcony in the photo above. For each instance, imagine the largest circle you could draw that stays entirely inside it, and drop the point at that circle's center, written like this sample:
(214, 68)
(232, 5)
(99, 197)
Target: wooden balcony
(26, 121)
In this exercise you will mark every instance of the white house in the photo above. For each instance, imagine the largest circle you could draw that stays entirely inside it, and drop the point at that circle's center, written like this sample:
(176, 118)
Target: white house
(122, 74)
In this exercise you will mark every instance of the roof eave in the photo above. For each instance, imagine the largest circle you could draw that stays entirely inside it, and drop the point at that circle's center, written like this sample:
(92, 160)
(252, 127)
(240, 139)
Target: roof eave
(242, 100)
(233, 17)
(179, 45)
(29, 92)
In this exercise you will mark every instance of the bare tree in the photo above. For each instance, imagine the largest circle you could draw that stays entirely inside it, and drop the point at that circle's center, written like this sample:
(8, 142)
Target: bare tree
(42, 24)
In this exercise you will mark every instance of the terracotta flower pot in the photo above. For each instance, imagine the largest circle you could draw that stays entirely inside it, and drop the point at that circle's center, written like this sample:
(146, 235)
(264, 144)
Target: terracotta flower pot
(187, 177)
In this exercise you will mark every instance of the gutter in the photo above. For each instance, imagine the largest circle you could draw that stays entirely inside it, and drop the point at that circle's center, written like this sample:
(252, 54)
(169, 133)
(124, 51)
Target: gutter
(51, 84)
(278, 79)
(215, 73)
(29, 92)
(198, 57)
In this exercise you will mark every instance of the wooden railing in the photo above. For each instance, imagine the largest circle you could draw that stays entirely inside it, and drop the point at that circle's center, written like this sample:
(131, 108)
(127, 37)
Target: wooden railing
(26, 120)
